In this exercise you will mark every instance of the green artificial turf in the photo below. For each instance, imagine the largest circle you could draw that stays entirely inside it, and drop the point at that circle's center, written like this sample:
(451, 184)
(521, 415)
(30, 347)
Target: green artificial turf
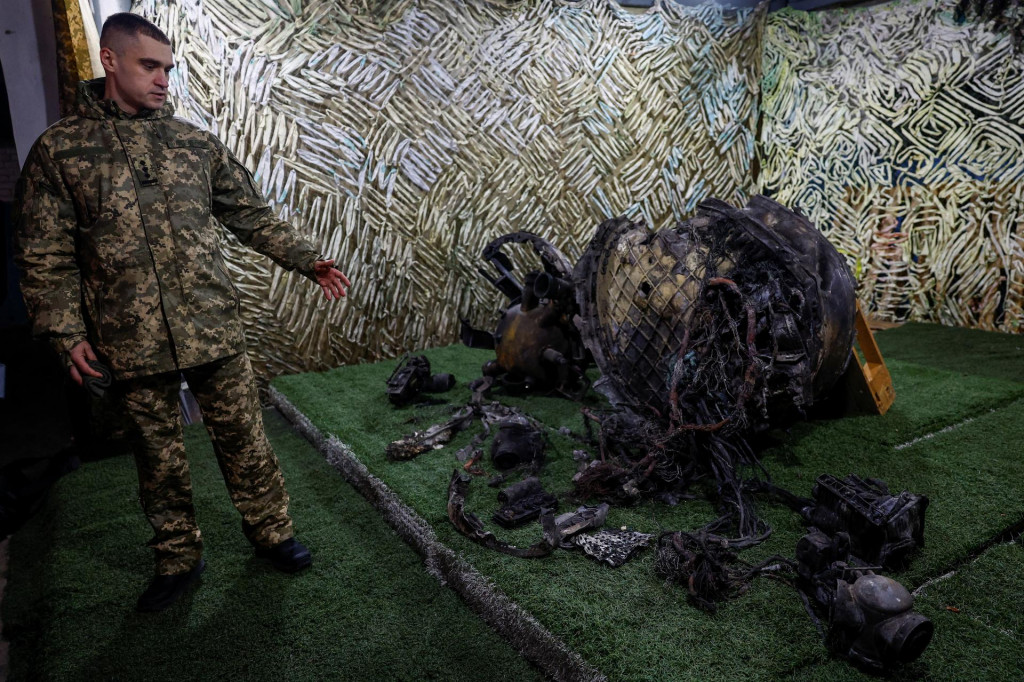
(365, 611)
(976, 610)
(969, 352)
(954, 434)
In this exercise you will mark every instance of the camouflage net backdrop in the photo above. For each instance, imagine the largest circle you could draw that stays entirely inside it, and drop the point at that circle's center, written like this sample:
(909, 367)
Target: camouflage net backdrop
(402, 136)
(899, 133)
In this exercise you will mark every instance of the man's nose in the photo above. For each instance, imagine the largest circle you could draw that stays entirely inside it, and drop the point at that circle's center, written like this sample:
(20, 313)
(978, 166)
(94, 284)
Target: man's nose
(161, 80)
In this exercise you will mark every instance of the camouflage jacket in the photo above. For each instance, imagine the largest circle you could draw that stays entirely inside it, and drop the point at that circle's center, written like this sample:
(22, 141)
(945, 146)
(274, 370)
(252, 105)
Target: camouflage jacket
(118, 238)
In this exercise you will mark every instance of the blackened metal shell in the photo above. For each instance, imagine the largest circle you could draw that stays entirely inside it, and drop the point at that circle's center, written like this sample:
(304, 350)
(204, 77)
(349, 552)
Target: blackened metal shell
(637, 291)
(829, 286)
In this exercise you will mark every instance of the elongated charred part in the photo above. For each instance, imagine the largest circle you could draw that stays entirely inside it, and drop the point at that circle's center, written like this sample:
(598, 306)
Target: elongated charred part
(437, 436)
(551, 287)
(472, 527)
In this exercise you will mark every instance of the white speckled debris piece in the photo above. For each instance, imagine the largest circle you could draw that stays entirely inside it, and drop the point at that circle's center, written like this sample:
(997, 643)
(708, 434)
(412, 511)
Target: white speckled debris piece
(613, 547)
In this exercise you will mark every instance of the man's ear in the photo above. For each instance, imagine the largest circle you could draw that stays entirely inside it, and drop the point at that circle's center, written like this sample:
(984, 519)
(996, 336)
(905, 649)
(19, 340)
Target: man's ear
(108, 58)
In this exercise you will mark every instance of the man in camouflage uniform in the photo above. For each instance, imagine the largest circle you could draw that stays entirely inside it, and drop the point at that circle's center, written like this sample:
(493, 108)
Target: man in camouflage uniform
(118, 213)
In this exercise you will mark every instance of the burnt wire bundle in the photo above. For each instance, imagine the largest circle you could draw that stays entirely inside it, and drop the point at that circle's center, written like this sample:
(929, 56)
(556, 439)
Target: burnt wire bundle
(711, 571)
(705, 334)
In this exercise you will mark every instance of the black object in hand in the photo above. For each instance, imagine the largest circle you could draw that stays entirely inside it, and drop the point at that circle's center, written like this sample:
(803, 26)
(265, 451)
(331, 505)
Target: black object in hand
(97, 386)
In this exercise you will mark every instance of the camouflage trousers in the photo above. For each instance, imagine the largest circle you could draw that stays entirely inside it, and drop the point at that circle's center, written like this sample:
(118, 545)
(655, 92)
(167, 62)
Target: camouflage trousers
(226, 393)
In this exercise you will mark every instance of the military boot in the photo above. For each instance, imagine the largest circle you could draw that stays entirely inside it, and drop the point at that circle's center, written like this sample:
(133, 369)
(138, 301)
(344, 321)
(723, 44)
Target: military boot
(164, 590)
(290, 556)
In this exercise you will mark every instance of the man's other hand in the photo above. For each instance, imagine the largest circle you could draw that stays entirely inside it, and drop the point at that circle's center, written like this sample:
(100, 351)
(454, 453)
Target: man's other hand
(332, 280)
(80, 355)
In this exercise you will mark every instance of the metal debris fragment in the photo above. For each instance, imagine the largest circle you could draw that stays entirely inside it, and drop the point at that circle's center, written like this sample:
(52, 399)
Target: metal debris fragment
(523, 502)
(517, 442)
(882, 528)
(871, 617)
(710, 567)
(560, 529)
(472, 527)
(437, 436)
(536, 343)
(613, 547)
(412, 376)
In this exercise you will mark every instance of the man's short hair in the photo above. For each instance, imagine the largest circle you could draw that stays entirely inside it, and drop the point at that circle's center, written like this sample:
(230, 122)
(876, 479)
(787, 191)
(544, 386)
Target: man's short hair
(125, 25)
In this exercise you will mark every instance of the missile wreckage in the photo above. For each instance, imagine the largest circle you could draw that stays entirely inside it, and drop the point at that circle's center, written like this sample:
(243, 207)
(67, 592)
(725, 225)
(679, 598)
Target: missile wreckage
(536, 343)
(705, 335)
(733, 321)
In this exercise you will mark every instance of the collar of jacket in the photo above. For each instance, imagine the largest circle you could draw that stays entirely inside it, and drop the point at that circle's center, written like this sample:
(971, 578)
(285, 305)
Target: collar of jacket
(91, 103)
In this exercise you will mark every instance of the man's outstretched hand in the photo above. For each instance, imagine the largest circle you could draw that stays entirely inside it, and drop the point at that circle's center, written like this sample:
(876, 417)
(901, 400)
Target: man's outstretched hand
(332, 280)
(80, 355)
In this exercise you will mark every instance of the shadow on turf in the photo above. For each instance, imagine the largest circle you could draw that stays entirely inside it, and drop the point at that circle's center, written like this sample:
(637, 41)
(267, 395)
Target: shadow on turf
(170, 646)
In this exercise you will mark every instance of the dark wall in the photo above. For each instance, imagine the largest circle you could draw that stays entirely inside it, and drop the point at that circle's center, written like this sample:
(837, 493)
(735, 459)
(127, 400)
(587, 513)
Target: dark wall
(12, 309)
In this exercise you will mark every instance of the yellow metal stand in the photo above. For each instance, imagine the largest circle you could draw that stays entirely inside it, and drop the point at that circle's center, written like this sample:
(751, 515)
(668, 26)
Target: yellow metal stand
(869, 389)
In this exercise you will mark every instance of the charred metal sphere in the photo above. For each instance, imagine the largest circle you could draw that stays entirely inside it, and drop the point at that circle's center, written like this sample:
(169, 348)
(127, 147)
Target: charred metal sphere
(536, 344)
(412, 376)
(871, 618)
